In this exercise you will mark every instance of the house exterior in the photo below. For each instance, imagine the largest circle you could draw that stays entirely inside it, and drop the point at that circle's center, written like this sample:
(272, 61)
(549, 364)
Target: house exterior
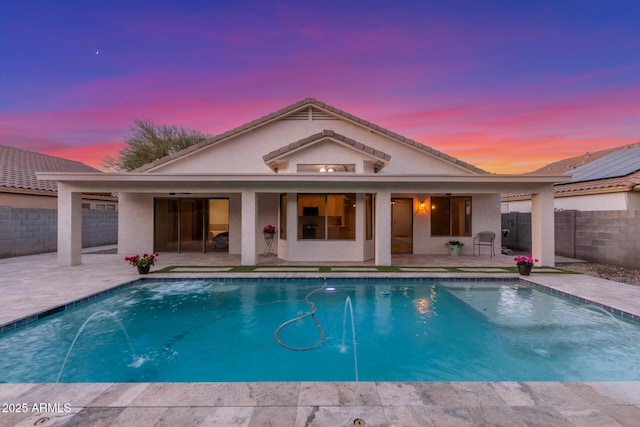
(597, 211)
(20, 187)
(28, 206)
(608, 180)
(334, 186)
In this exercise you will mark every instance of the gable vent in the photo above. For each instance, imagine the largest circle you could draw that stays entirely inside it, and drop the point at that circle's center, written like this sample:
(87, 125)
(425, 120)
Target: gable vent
(310, 114)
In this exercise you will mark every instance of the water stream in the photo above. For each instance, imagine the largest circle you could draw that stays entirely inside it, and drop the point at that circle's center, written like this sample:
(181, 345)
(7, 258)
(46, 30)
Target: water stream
(343, 348)
(136, 363)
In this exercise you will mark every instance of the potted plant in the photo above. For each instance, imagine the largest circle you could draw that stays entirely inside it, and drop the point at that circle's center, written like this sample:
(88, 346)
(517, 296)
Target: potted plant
(525, 264)
(454, 247)
(142, 262)
(269, 230)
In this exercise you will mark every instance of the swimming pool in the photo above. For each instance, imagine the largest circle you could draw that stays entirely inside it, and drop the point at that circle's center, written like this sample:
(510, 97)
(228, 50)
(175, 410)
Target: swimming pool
(405, 330)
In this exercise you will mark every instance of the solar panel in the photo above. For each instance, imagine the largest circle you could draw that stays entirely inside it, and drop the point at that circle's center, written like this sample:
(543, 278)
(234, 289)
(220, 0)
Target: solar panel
(618, 163)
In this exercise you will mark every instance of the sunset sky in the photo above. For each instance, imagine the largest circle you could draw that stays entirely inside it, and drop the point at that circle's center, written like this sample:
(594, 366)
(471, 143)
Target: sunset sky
(505, 85)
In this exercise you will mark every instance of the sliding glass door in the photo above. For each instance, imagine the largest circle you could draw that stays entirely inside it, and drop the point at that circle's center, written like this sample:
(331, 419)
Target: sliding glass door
(191, 225)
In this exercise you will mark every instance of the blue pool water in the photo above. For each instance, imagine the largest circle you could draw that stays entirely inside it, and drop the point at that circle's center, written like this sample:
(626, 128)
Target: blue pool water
(405, 330)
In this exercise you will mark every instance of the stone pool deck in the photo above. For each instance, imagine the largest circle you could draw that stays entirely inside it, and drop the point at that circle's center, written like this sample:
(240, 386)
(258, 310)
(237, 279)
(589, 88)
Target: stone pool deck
(34, 284)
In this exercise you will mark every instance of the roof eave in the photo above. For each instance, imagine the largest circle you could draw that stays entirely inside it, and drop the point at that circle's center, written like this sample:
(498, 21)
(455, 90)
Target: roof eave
(259, 177)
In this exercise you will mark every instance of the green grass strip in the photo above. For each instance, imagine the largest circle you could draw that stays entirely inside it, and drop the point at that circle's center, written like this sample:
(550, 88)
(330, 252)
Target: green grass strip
(370, 269)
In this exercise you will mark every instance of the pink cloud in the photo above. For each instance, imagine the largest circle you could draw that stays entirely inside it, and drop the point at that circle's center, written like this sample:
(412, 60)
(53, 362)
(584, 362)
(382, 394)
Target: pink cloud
(92, 155)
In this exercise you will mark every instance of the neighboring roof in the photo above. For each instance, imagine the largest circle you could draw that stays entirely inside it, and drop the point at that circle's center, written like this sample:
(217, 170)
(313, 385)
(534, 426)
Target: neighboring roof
(18, 168)
(382, 157)
(567, 165)
(611, 170)
(616, 164)
(297, 108)
(618, 184)
(621, 183)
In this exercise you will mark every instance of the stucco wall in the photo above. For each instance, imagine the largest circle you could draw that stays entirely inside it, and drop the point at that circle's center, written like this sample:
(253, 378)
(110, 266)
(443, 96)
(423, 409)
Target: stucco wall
(244, 153)
(17, 200)
(589, 202)
(135, 224)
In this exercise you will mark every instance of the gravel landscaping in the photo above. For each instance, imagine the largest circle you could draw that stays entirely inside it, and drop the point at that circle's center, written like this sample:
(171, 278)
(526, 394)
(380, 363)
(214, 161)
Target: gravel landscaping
(616, 273)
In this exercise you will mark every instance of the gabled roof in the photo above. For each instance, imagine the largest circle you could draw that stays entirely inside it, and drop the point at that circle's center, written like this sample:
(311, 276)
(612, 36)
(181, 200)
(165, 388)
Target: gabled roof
(18, 169)
(296, 111)
(273, 156)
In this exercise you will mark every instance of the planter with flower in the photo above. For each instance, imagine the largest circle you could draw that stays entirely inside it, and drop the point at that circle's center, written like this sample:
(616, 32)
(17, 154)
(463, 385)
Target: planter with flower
(269, 231)
(454, 247)
(142, 262)
(525, 264)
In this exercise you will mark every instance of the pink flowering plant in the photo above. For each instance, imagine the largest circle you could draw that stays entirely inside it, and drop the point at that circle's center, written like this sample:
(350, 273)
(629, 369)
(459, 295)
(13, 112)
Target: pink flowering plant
(269, 229)
(525, 259)
(144, 260)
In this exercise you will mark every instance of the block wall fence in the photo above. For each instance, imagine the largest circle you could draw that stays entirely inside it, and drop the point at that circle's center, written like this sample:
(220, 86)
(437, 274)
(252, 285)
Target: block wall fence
(26, 231)
(611, 237)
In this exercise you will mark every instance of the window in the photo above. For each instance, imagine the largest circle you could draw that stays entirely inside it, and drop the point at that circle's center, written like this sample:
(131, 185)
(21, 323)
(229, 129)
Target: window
(327, 168)
(326, 216)
(451, 216)
(283, 216)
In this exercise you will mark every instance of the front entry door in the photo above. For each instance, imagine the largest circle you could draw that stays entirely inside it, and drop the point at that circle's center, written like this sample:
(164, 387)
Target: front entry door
(401, 226)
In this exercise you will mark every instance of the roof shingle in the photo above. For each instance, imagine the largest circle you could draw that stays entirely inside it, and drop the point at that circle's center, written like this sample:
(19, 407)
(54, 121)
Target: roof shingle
(18, 168)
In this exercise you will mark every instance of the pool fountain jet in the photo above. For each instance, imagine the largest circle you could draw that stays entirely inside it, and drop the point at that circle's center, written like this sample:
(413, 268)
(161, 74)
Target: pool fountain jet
(615, 320)
(135, 363)
(343, 347)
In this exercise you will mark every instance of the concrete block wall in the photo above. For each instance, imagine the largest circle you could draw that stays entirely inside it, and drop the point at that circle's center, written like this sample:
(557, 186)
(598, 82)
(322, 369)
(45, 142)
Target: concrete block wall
(611, 237)
(519, 226)
(565, 233)
(26, 231)
(99, 228)
(608, 236)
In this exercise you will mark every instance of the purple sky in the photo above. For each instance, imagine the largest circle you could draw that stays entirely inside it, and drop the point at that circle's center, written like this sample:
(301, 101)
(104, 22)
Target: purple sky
(506, 85)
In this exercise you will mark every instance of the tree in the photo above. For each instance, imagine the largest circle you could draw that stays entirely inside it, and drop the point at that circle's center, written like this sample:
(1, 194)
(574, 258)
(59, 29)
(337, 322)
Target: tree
(151, 142)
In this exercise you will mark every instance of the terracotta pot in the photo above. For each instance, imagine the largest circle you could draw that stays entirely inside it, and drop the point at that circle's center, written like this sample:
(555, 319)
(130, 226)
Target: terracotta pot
(525, 269)
(143, 269)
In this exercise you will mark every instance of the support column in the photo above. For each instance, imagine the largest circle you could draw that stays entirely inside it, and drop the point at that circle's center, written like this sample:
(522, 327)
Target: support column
(248, 228)
(69, 226)
(292, 228)
(542, 228)
(383, 228)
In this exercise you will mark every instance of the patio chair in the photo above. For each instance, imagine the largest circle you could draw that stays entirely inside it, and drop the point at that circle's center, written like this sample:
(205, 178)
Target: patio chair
(221, 239)
(484, 238)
